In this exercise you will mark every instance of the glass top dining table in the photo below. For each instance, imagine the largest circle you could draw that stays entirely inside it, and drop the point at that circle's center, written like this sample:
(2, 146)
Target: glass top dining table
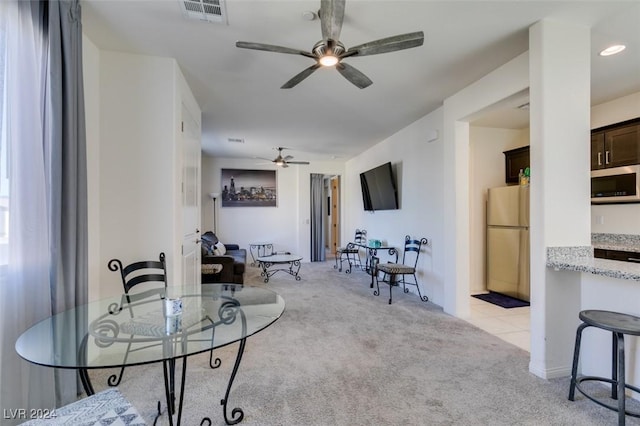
(218, 315)
(121, 332)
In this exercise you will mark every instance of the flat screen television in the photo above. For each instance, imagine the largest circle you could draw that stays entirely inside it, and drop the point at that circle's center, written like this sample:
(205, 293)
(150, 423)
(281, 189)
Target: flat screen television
(379, 188)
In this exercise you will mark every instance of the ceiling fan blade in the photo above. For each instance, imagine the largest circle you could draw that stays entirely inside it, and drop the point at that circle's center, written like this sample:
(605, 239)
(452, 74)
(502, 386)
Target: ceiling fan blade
(389, 44)
(272, 48)
(288, 157)
(297, 162)
(301, 76)
(353, 75)
(331, 18)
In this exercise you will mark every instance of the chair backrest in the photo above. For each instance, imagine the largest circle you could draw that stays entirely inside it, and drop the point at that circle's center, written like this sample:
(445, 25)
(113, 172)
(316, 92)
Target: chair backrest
(412, 250)
(360, 236)
(146, 271)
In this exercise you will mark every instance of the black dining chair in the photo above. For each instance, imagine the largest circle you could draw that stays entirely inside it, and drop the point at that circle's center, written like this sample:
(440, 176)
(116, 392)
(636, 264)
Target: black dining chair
(412, 248)
(141, 281)
(151, 276)
(351, 253)
(147, 271)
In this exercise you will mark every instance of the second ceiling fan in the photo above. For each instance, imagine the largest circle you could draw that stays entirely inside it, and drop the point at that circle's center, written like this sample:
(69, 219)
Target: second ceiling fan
(283, 161)
(330, 51)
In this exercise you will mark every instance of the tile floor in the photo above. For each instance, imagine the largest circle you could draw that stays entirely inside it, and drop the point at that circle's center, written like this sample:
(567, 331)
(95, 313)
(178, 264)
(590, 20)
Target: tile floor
(511, 325)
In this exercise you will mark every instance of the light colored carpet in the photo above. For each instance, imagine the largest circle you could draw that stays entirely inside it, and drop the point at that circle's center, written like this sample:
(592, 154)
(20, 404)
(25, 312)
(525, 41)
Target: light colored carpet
(341, 356)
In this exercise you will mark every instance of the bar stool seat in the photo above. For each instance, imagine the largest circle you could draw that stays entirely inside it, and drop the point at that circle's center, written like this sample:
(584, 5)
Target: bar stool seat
(618, 324)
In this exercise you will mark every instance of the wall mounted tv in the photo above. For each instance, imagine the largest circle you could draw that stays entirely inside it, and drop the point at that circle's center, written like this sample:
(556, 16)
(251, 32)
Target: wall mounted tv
(379, 188)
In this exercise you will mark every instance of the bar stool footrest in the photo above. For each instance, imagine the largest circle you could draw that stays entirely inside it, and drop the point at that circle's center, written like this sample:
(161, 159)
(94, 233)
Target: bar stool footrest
(581, 379)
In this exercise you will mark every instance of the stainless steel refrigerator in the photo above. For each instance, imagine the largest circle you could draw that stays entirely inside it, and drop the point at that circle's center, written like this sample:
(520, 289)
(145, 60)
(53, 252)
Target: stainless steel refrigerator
(508, 241)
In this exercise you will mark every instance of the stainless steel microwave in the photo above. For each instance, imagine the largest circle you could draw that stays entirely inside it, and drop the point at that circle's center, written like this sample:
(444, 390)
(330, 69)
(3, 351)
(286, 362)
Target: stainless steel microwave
(616, 185)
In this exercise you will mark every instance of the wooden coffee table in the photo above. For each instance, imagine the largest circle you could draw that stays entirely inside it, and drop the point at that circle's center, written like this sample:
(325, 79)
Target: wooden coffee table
(270, 265)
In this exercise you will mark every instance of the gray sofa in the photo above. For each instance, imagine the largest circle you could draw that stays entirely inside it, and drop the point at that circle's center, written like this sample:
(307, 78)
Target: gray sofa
(233, 262)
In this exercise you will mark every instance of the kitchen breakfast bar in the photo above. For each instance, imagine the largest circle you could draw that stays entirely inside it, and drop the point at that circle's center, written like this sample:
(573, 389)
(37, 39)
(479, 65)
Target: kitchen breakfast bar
(605, 284)
(582, 259)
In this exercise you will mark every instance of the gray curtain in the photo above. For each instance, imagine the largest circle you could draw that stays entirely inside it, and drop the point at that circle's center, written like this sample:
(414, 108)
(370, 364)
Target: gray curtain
(68, 173)
(317, 218)
(47, 256)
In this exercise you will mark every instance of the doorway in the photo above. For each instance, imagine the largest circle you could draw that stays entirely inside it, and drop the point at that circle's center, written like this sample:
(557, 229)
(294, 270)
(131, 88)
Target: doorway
(334, 217)
(325, 216)
(493, 131)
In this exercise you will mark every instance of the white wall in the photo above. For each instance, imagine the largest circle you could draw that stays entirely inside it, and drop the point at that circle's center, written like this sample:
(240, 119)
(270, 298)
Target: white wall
(419, 175)
(615, 218)
(140, 112)
(285, 226)
(486, 170)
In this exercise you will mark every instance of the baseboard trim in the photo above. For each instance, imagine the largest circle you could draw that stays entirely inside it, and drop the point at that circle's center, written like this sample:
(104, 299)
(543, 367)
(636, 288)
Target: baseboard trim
(549, 373)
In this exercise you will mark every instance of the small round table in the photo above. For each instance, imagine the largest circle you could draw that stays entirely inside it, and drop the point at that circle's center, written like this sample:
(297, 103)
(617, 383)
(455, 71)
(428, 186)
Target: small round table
(261, 251)
(268, 262)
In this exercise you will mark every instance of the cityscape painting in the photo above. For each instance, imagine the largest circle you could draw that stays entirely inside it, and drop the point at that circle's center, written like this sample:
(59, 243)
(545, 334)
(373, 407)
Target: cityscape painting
(249, 188)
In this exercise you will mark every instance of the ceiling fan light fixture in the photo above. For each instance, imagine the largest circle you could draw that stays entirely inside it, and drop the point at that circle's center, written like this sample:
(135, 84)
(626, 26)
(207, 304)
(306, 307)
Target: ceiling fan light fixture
(328, 60)
(328, 52)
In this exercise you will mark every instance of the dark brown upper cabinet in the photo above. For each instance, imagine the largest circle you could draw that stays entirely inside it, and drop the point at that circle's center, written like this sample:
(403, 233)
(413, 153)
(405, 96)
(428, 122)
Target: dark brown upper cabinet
(616, 145)
(514, 161)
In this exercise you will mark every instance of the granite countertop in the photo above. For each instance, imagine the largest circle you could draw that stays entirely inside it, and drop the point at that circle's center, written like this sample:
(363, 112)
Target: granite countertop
(581, 258)
(624, 242)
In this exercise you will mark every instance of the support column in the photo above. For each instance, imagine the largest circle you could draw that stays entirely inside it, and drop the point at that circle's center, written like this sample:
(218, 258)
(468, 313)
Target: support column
(559, 72)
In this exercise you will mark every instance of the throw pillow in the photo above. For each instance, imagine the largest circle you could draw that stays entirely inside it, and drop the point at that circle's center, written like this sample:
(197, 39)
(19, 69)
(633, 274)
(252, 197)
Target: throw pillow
(220, 249)
(209, 239)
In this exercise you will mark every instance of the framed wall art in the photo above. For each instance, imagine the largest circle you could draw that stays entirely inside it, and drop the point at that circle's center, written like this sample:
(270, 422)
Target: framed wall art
(249, 188)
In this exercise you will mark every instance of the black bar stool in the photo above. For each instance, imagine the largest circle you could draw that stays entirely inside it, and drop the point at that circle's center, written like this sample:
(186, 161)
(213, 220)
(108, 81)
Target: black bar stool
(618, 324)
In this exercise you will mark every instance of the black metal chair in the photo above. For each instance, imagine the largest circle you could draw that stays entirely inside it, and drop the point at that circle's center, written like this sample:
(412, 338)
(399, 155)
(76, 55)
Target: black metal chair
(141, 272)
(618, 324)
(148, 271)
(145, 274)
(391, 271)
(351, 251)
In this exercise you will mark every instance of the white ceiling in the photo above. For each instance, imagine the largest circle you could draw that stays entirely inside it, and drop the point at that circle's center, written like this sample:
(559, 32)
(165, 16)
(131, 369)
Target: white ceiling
(325, 116)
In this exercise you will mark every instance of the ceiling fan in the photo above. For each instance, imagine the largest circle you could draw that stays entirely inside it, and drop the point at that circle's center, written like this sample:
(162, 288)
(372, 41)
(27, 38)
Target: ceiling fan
(330, 51)
(283, 161)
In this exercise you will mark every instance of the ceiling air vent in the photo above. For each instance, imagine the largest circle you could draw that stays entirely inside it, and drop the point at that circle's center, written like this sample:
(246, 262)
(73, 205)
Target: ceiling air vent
(236, 140)
(205, 10)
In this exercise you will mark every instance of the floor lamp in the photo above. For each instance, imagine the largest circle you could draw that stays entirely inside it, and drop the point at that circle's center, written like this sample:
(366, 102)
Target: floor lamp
(213, 196)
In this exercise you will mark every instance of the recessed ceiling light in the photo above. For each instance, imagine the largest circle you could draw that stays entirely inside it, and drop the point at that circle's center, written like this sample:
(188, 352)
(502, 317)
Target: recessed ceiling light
(612, 50)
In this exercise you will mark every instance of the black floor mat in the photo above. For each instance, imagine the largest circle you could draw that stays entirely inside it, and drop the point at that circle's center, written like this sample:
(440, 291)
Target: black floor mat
(502, 300)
